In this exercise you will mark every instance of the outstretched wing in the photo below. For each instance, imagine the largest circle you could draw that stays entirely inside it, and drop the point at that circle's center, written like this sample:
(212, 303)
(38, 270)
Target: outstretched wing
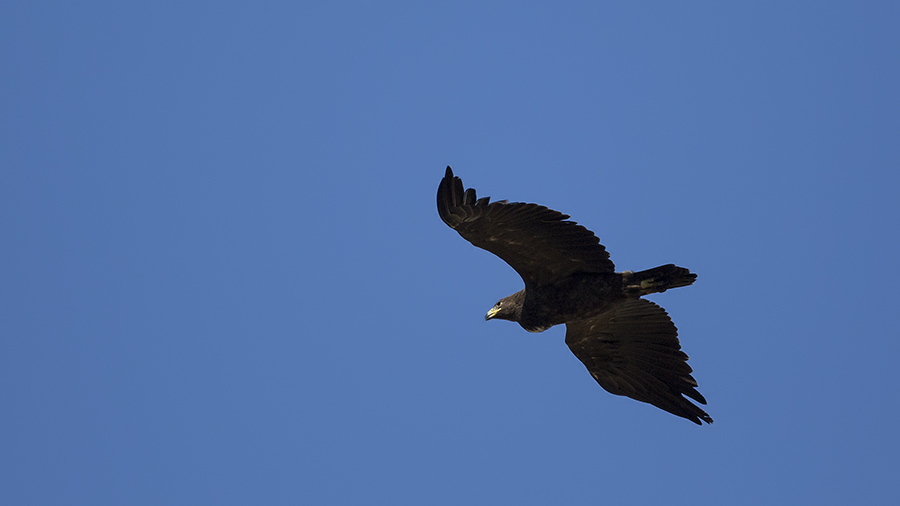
(539, 243)
(633, 350)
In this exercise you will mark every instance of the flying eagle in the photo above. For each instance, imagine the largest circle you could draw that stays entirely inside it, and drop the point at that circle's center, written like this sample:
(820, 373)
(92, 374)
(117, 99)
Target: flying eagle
(628, 344)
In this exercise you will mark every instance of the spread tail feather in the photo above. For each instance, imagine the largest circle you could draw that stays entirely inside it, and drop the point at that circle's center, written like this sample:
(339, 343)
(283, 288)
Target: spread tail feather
(656, 280)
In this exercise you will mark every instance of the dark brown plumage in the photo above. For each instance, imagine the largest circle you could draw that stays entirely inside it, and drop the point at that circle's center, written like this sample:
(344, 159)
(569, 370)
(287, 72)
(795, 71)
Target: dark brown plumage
(628, 344)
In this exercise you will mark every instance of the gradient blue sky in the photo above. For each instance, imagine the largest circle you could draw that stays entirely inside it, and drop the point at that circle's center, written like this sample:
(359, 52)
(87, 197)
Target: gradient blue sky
(223, 279)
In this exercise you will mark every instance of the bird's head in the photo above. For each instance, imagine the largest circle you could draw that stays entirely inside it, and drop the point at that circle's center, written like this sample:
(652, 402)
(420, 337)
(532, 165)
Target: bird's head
(508, 308)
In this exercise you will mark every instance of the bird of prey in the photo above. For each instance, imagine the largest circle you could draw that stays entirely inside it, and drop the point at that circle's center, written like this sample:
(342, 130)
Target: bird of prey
(628, 344)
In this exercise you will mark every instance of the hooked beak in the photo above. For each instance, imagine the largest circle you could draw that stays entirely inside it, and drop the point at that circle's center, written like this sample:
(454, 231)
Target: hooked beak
(490, 314)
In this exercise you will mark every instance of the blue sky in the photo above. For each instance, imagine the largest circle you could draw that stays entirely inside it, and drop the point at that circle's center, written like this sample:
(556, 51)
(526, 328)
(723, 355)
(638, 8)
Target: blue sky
(224, 280)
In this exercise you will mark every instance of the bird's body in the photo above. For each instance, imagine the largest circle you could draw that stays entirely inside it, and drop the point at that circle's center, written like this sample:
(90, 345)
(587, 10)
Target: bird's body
(575, 297)
(628, 344)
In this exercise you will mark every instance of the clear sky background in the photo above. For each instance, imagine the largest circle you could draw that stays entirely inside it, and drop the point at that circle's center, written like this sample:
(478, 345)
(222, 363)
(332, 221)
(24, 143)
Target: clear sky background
(223, 279)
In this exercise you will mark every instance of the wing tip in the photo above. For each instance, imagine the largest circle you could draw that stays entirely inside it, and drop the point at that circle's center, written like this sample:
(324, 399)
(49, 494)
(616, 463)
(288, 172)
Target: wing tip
(702, 415)
(689, 410)
(444, 197)
(452, 195)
